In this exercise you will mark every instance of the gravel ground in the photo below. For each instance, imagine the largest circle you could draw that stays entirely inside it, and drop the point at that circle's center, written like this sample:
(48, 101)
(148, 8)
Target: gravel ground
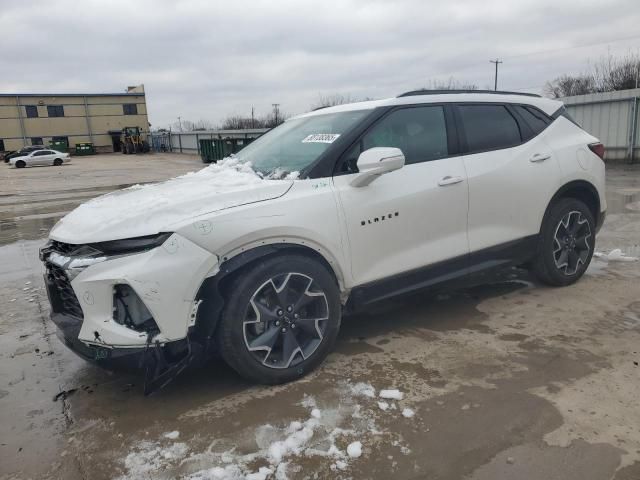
(510, 380)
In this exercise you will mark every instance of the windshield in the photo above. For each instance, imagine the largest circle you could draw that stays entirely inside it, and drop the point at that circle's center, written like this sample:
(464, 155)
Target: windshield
(297, 143)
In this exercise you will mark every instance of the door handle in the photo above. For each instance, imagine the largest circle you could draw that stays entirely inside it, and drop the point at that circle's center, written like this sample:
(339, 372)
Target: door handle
(449, 180)
(539, 157)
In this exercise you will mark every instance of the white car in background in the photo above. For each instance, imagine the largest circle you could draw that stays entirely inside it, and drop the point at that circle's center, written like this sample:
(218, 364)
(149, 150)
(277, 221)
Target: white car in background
(40, 157)
(258, 256)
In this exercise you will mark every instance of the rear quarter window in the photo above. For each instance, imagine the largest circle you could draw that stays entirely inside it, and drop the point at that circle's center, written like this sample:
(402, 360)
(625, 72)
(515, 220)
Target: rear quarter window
(535, 119)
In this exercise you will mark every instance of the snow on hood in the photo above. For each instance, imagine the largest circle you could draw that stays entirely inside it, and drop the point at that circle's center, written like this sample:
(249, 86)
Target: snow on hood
(148, 209)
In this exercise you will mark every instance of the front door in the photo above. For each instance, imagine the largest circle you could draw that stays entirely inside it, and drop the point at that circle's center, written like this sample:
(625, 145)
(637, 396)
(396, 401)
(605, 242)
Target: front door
(415, 216)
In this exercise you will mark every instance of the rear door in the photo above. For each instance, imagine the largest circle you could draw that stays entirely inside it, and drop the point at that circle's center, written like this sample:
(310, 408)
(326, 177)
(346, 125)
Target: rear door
(412, 217)
(511, 172)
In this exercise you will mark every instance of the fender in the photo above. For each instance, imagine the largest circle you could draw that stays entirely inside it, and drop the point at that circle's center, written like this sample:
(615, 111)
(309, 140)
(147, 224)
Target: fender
(584, 191)
(210, 292)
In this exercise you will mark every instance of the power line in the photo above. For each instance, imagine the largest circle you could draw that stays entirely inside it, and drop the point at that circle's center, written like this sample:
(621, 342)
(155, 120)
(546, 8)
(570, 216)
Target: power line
(539, 52)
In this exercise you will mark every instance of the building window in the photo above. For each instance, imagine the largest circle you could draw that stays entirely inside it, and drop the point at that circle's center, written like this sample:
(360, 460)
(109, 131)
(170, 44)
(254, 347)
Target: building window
(60, 139)
(2, 146)
(55, 110)
(36, 141)
(32, 111)
(130, 109)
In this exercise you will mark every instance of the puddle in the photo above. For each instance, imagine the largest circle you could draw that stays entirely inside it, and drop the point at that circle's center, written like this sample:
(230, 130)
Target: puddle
(27, 229)
(622, 202)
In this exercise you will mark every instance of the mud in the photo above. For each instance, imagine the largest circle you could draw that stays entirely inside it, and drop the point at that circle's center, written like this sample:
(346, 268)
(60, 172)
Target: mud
(507, 380)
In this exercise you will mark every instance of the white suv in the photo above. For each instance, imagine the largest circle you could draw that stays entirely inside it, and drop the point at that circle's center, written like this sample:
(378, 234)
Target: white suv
(259, 256)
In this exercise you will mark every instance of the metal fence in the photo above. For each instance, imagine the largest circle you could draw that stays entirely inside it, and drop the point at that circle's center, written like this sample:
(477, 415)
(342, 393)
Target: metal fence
(613, 117)
(189, 142)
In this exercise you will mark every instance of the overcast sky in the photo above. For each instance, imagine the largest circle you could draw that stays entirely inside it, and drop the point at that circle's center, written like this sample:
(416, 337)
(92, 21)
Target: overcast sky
(208, 59)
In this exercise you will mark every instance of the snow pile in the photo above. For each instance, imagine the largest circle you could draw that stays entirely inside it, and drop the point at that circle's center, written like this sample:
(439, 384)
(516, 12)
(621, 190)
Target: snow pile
(615, 255)
(354, 450)
(150, 457)
(336, 434)
(145, 209)
(362, 389)
(315, 436)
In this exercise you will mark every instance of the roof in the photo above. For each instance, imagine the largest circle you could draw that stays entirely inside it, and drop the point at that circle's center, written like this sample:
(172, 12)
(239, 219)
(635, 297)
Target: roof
(123, 94)
(547, 105)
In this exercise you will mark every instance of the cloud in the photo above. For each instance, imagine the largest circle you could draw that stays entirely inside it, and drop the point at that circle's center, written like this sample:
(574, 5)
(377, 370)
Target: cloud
(208, 59)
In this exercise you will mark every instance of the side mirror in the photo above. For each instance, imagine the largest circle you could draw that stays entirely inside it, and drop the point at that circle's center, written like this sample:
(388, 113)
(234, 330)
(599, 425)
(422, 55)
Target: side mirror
(375, 162)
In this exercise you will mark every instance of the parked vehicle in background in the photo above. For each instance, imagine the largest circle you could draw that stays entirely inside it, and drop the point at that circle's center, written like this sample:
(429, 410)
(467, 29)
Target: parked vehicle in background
(258, 256)
(23, 152)
(40, 158)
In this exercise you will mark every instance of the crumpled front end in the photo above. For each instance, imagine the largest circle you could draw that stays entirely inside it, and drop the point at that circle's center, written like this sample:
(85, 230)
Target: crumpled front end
(119, 300)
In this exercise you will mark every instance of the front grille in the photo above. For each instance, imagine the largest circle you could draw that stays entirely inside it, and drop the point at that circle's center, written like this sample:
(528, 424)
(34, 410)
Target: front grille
(63, 298)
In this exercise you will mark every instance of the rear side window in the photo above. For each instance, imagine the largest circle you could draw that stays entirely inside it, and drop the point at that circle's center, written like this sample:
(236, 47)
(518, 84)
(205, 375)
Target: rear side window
(535, 119)
(489, 127)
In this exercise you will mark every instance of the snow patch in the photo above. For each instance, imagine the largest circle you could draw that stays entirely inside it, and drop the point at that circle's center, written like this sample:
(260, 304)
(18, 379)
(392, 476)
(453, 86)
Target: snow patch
(408, 413)
(391, 394)
(362, 389)
(615, 255)
(172, 435)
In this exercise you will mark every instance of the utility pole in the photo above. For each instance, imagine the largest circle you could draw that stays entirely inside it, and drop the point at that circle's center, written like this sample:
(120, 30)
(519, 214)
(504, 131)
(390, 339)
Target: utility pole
(180, 123)
(253, 123)
(275, 112)
(497, 62)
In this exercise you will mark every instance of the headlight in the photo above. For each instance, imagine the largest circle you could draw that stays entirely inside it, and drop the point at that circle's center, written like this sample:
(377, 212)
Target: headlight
(131, 245)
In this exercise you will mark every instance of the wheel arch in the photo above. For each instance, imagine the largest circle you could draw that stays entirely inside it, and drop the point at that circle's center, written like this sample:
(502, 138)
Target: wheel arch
(212, 289)
(581, 190)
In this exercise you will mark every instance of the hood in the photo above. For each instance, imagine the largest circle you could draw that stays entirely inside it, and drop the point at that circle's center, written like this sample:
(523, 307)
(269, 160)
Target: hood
(149, 209)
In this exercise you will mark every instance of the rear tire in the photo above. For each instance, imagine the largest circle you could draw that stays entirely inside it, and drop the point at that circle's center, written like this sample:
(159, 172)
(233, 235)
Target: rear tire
(566, 243)
(57, 162)
(281, 319)
(20, 164)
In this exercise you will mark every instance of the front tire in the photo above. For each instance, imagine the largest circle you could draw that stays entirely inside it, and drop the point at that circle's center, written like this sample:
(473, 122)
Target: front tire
(281, 319)
(566, 243)
(20, 164)
(57, 162)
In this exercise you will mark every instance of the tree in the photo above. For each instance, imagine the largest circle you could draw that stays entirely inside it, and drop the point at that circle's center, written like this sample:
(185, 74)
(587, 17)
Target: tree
(450, 84)
(189, 126)
(608, 75)
(239, 122)
(334, 99)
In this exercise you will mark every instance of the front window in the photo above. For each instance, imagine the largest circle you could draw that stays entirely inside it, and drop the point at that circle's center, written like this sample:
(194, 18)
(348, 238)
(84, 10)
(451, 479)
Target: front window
(296, 144)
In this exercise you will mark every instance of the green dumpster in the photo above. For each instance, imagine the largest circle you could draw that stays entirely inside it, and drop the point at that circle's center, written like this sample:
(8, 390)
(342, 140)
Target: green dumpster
(59, 145)
(214, 149)
(85, 149)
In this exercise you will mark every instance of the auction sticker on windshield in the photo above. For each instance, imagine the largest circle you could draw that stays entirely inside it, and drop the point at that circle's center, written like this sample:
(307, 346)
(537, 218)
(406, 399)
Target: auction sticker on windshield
(321, 138)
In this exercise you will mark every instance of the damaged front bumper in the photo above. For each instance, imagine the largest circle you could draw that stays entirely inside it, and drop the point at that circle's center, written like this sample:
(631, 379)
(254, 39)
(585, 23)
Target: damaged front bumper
(132, 310)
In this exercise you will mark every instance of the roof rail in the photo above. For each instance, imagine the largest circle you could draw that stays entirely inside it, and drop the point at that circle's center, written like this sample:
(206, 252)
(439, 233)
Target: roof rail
(447, 92)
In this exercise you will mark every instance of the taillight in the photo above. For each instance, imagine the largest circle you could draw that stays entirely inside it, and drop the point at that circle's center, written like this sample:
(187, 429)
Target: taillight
(598, 149)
